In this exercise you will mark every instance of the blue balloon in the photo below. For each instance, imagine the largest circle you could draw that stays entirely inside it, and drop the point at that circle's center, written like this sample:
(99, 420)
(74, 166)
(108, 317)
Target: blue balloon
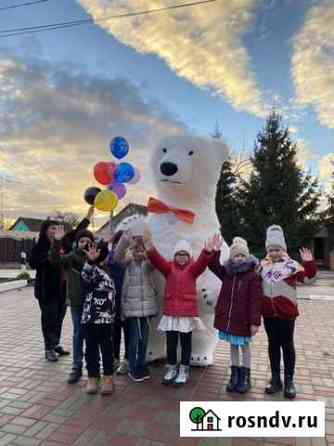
(124, 173)
(119, 147)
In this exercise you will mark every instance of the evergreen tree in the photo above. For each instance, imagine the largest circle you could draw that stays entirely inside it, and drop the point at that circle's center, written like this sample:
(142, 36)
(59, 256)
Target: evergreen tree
(278, 191)
(329, 212)
(226, 203)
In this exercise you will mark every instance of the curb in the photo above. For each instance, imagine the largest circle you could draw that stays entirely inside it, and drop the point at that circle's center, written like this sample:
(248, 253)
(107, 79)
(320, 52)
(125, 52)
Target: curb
(13, 285)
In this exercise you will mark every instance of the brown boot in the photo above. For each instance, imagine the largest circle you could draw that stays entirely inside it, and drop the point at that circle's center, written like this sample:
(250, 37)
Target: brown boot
(91, 387)
(107, 386)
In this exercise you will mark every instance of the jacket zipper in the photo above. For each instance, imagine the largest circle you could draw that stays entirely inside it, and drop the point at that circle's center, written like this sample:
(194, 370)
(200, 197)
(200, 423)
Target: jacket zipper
(230, 311)
(141, 288)
(272, 299)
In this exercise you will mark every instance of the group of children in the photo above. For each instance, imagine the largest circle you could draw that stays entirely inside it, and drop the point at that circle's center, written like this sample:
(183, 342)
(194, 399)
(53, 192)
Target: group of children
(111, 288)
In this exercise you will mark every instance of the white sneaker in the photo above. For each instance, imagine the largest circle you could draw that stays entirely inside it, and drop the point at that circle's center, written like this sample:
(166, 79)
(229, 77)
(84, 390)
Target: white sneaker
(182, 376)
(123, 368)
(170, 375)
(116, 364)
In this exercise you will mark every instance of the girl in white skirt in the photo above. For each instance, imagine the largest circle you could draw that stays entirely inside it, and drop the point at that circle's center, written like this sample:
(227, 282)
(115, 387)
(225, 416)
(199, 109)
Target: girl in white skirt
(180, 312)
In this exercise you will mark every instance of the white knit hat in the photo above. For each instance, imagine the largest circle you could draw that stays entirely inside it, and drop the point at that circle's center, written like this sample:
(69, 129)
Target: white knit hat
(183, 245)
(239, 246)
(275, 237)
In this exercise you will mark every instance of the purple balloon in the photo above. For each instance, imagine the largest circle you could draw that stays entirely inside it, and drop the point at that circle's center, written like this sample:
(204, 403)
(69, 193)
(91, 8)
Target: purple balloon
(118, 188)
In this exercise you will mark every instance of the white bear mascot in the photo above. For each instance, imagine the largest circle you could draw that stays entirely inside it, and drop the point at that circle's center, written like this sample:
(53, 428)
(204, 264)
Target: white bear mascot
(185, 171)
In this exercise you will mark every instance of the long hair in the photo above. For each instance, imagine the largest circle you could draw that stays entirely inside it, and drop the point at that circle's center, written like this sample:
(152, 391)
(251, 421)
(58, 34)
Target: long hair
(43, 241)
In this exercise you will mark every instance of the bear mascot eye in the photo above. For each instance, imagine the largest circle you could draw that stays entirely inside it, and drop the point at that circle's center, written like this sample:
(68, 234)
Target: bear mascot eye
(164, 150)
(191, 152)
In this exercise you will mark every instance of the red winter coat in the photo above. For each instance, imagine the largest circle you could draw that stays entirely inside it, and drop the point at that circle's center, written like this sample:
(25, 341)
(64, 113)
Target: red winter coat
(239, 303)
(280, 298)
(180, 291)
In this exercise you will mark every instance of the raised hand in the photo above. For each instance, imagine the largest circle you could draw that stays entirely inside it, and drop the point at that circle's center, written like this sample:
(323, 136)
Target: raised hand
(209, 245)
(147, 235)
(128, 234)
(60, 232)
(147, 239)
(92, 253)
(90, 213)
(217, 242)
(306, 255)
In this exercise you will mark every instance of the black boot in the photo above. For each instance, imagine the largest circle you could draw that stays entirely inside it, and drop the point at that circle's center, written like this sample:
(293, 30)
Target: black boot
(50, 355)
(244, 382)
(74, 376)
(233, 379)
(275, 384)
(59, 349)
(289, 387)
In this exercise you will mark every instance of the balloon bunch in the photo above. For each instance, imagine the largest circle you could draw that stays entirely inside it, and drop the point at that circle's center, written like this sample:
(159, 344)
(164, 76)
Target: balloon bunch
(112, 175)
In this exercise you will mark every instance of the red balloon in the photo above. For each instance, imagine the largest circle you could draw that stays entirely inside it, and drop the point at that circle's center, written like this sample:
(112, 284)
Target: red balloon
(112, 168)
(103, 172)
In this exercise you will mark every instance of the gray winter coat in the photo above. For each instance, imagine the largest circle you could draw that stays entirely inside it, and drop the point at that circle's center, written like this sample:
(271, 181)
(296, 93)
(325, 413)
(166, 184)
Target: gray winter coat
(139, 297)
(138, 293)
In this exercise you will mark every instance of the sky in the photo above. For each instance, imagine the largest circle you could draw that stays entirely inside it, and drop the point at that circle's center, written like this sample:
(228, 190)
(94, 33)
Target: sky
(64, 94)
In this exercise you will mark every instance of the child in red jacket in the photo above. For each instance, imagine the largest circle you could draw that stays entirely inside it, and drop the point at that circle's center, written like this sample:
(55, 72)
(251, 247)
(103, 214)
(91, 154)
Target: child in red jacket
(238, 309)
(180, 312)
(280, 275)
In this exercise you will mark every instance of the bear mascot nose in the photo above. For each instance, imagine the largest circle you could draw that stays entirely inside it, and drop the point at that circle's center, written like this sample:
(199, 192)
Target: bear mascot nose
(168, 169)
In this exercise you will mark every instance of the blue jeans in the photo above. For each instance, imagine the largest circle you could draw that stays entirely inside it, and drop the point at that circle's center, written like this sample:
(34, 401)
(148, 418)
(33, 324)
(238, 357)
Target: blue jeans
(78, 338)
(138, 331)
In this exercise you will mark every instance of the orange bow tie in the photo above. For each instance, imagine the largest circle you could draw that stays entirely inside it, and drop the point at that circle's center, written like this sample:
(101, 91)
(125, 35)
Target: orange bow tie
(159, 207)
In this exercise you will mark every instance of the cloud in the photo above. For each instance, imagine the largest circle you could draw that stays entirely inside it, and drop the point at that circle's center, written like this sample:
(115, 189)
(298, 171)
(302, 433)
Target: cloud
(203, 44)
(313, 62)
(326, 167)
(57, 123)
(305, 154)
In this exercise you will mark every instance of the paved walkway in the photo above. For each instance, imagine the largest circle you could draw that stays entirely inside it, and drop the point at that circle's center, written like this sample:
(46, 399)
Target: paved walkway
(37, 407)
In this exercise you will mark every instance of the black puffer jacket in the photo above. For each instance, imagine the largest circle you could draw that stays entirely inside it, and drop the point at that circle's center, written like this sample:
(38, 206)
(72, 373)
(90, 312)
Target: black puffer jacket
(48, 273)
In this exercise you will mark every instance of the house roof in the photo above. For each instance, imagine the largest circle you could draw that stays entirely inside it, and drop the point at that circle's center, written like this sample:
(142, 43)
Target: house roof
(19, 235)
(130, 209)
(33, 224)
(213, 413)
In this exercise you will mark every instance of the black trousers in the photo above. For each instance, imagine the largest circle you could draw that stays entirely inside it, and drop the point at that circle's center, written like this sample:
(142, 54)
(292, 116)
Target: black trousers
(120, 325)
(172, 344)
(98, 339)
(52, 316)
(280, 336)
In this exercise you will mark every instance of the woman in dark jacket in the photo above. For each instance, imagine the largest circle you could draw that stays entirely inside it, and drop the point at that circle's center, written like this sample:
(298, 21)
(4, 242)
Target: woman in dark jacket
(238, 310)
(48, 290)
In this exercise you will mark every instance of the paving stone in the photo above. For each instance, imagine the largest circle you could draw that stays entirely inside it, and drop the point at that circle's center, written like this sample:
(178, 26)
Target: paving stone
(87, 438)
(21, 421)
(37, 427)
(13, 429)
(8, 410)
(26, 441)
(7, 439)
(46, 431)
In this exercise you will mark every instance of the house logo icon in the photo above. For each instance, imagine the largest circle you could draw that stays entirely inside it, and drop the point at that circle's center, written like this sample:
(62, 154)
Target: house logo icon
(204, 421)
